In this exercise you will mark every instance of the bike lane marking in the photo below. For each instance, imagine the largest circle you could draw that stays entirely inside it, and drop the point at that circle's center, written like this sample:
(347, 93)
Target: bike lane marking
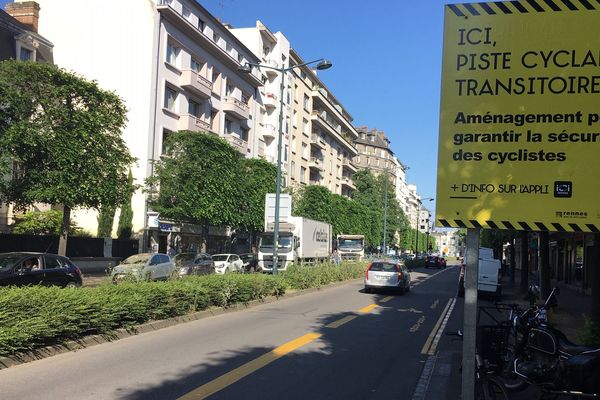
(235, 375)
(432, 335)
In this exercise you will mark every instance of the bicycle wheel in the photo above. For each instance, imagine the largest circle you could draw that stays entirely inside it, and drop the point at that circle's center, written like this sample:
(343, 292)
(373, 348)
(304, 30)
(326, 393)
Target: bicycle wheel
(490, 388)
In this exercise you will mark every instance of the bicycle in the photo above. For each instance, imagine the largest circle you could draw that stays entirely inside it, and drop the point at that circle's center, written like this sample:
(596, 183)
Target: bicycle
(488, 386)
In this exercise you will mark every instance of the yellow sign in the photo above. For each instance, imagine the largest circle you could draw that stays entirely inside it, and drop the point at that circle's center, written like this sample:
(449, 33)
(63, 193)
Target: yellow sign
(520, 116)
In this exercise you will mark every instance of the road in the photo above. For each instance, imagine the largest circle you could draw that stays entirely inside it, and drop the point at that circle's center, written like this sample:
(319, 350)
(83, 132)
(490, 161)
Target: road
(335, 343)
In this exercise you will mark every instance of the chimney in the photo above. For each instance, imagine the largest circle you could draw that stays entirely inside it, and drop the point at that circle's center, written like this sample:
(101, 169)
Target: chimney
(27, 13)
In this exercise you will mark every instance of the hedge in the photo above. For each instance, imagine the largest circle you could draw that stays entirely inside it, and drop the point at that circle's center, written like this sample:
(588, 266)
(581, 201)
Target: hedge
(36, 316)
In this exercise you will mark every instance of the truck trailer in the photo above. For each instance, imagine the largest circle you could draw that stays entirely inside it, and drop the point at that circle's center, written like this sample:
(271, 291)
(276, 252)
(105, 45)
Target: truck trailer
(300, 240)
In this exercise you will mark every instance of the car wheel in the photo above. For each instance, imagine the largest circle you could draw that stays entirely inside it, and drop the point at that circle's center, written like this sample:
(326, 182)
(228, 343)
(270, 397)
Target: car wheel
(401, 290)
(72, 285)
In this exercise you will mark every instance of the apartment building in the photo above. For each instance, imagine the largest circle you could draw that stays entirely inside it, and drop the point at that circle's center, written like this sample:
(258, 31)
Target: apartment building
(19, 40)
(273, 50)
(374, 152)
(174, 64)
(322, 134)
(401, 185)
(317, 139)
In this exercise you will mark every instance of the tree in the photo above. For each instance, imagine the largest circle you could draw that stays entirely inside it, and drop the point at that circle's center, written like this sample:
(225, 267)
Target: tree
(198, 181)
(126, 217)
(41, 223)
(64, 134)
(258, 179)
(106, 217)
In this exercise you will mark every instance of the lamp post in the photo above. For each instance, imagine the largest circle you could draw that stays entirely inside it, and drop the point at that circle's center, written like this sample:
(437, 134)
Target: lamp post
(247, 68)
(418, 218)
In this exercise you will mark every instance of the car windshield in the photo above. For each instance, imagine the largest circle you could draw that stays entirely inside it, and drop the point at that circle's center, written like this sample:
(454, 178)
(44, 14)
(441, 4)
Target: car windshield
(351, 243)
(184, 257)
(137, 259)
(7, 261)
(384, 267)
(220, 257)
(284, 241)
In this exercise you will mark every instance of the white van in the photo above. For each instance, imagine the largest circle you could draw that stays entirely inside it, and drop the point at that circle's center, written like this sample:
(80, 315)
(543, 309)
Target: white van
(488, 279)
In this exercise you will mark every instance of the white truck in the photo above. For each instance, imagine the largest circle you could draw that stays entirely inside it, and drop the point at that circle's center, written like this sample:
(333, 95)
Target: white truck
(351, 247)
(300, 240)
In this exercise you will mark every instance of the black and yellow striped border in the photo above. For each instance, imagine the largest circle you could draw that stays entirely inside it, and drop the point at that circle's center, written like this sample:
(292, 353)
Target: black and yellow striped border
(520, 225)
(521, 7)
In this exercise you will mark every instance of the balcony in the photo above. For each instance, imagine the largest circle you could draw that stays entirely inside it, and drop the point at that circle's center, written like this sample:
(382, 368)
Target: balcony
(317, 141)
(270, 100)
(269, 71)
(192, 81)
(269, 131)
(237, 108)
(347, 181)
(189, 122)
(347, 163)
(239, 144)
(315, 163)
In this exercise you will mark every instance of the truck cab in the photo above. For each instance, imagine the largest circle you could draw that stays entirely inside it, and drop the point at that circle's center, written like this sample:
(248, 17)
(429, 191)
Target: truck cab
(351, 247)
(285, 251)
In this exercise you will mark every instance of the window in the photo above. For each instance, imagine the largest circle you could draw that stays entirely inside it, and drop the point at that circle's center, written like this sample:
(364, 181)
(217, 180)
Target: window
(240, 58)
(194, 108)
(302, 75)
(170, 98)
(26, 54)
(295, 119)
(215, 37)
(285, 153)
(305, 151)
(201, 25)
(165, 136)
(305, 103)
(266, 51)
(358, 159)
(368, 161)
(305, 126)
(229, 90)
(52, 262)
(302, 174)
(244, 134)
(172, 54)
(196, 66)
(293, 170)
(228, 127)
(295, 92)
(187, 14)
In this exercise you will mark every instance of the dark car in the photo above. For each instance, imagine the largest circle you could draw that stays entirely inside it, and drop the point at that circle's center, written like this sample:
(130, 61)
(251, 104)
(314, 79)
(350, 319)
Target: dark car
(22, 269)
(250, 261)
(435, 262)
(194, 264)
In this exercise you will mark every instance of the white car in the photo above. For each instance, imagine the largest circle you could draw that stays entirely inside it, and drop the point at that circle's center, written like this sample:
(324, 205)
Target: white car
(144, 266)
(228, 263)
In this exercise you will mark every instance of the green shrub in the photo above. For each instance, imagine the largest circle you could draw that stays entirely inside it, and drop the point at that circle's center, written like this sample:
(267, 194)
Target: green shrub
(36, 316)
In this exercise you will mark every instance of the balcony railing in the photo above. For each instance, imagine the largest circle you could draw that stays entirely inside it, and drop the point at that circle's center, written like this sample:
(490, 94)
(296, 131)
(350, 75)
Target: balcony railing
(316, 163)
(317, 141)
(240, 144)
(236, 107)
(192, 123)
(196, 83)
(270, 100)
(269, 131)
(346, 162)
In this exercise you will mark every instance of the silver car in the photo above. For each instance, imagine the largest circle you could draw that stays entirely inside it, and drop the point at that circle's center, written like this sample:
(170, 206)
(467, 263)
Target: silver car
(225, 263)
(144, 266)
(387, 275)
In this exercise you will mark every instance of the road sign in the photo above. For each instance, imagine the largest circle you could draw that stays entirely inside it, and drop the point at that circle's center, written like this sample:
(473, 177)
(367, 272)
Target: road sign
(519, 140)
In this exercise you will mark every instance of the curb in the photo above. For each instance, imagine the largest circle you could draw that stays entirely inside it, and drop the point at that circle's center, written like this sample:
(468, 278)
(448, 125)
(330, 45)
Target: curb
(89, 341)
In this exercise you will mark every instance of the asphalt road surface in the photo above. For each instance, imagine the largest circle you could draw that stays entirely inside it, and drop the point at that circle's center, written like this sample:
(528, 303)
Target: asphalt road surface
(338, 343)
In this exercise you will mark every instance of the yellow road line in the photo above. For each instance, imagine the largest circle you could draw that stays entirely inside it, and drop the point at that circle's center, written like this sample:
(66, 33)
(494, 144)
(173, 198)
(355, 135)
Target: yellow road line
(368, 308)
(386, 299)
(235, 375)
(425, 348)
(341, 321)
(441, 329)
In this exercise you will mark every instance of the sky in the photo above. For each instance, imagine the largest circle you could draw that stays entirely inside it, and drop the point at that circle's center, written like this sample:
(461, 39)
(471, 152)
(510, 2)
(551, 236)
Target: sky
(386, 57)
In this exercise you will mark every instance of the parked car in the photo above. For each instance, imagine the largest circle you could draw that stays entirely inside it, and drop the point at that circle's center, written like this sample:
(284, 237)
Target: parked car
(21, 269)
(144, 266)
(194, 264)
(435, 262)
(227, 263)
(250, 261)
(387, 275)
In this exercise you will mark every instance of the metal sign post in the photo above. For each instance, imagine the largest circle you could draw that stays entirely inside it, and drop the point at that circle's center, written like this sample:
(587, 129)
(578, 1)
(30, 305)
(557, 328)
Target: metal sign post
(470, 315)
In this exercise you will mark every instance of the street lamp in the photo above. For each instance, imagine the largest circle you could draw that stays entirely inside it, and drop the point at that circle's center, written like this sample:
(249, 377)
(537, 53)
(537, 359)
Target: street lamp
(419, 217)
(247, 68)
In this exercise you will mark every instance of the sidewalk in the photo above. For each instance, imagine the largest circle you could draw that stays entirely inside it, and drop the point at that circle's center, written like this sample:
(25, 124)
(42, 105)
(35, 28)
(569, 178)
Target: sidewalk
(445, 381)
